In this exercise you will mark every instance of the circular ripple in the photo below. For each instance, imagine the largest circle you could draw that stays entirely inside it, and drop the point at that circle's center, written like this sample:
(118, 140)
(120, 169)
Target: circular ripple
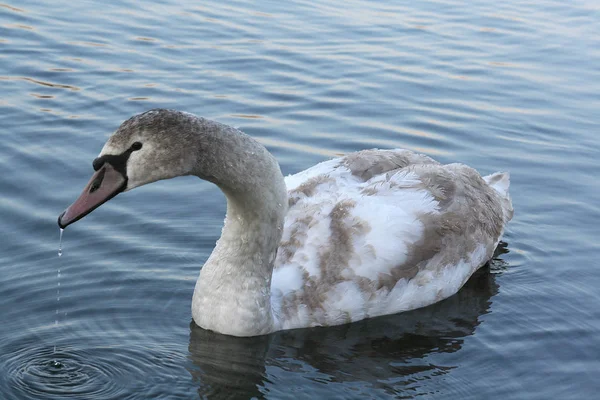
(90, 373)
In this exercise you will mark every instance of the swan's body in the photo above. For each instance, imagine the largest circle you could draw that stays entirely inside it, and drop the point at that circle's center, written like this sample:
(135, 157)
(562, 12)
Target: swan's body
(372, 233)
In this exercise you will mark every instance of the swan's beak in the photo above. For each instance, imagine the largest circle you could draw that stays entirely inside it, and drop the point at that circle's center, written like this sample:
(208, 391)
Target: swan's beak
(105, 184)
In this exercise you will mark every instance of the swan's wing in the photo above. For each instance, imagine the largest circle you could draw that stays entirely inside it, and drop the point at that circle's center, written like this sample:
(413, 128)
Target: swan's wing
(378, 232)
(357, 167)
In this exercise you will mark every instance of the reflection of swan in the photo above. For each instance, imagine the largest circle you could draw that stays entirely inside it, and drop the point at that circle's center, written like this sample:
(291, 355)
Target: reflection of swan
(372, 352)
(368, 234)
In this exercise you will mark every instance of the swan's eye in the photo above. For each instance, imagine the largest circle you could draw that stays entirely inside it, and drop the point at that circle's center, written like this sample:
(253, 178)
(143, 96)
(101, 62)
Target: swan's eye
(136, 146)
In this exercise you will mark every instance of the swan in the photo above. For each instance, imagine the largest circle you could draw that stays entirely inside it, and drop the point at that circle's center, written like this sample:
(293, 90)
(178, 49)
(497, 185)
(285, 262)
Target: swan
(371, 233)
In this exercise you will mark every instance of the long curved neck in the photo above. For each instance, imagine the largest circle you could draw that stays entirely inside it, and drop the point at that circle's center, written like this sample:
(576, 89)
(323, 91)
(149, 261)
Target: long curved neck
(233, 293)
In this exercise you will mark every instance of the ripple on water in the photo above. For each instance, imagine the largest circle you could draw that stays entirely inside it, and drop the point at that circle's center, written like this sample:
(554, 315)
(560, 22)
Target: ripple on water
(34, 372)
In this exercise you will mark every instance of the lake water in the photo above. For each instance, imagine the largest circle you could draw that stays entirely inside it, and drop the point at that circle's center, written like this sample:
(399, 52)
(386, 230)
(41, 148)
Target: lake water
(497, 85)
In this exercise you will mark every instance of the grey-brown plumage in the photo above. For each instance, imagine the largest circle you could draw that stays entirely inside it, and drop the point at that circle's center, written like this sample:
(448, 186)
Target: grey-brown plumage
(372, 233)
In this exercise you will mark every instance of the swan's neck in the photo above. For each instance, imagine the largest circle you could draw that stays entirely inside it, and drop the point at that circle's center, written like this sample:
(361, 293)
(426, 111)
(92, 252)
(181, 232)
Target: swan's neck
(233, 292)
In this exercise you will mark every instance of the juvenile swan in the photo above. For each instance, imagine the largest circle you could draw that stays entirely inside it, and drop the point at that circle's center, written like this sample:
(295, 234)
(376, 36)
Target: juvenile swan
(371, 233)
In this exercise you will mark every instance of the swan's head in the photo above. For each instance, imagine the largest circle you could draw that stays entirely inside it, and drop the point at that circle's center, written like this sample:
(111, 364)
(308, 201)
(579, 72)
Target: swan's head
(155, 145)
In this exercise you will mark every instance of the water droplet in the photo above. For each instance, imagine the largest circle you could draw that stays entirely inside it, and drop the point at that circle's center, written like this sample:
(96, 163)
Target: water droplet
(60, 243)
(57, 364)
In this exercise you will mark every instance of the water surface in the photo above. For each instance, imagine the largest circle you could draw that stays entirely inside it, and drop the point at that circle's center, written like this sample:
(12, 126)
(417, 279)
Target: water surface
(499, 86)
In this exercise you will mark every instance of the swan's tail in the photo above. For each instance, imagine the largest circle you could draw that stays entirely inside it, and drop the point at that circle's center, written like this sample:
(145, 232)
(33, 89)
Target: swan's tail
(500, 181)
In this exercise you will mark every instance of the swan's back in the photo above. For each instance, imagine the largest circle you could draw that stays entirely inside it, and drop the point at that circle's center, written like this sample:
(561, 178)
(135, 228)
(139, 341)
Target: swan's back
(382, 231)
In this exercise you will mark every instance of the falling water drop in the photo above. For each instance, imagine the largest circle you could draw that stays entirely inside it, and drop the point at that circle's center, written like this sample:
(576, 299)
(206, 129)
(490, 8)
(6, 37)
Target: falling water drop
(60, 243)
(58, 284)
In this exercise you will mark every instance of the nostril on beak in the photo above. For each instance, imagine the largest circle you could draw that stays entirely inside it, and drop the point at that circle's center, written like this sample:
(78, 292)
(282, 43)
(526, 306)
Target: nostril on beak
(97, 182)
(95, 186)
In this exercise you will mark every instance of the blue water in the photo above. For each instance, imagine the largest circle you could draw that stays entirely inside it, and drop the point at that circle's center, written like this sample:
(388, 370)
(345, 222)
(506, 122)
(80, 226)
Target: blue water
(497, 85)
